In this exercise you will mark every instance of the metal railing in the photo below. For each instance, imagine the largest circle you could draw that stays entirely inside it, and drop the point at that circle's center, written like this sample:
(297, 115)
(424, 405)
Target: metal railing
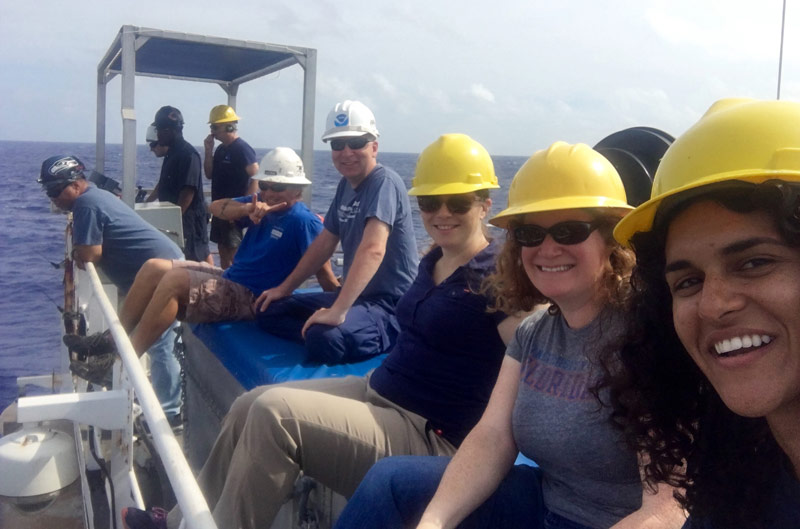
(190, 499)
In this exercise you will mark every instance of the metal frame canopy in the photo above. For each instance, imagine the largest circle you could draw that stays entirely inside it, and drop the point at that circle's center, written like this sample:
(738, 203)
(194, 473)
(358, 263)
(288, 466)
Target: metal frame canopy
(172, 55)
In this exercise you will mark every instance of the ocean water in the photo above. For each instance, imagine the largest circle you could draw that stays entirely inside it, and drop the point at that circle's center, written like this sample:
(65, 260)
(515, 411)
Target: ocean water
(32, 241)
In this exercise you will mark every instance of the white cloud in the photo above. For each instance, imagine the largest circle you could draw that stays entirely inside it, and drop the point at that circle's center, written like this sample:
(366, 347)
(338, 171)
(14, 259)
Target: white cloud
(481, 92)
(385, 85)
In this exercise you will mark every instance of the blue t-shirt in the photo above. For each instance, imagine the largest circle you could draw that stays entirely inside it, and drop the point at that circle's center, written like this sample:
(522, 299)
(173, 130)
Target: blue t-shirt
(272, 248)
(381, 195)
(783, 512)
(229, 176)
(182, 168)
(448, 353)
(100, 218)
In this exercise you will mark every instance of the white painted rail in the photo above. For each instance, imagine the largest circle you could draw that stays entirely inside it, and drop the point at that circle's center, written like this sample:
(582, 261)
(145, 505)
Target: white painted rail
(195, 510)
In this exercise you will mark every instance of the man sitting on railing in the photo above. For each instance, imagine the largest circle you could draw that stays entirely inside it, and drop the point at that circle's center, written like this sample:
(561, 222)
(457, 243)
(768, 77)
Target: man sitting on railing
(280, 228)
(110, 234)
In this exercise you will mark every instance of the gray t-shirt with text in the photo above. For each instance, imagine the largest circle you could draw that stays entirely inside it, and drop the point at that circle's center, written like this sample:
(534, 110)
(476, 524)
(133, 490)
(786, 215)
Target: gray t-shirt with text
(589, 475)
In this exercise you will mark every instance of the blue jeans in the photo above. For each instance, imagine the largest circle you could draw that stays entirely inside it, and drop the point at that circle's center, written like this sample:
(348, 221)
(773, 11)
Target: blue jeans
(165, 372)
(395, 492)
(370, 327)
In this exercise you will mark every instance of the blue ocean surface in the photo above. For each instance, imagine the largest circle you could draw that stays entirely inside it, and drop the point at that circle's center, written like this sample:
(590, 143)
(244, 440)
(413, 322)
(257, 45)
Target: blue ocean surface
(32, 243)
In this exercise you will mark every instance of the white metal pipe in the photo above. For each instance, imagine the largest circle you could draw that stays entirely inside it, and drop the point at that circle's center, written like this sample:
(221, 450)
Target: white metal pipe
(192, 503)
(128, 117)
(780, 55)
(309, 64)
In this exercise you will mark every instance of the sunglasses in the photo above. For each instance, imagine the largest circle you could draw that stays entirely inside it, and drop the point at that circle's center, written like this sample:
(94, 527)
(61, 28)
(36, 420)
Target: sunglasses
(355, 144)
(457, 204)
(153, 144)
(269, 186)
(568, 232)
(56, 190)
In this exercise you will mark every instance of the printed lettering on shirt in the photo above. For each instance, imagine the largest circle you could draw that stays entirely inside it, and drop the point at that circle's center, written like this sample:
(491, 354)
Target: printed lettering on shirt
(555, 381)
(348, 212)
(276, 233)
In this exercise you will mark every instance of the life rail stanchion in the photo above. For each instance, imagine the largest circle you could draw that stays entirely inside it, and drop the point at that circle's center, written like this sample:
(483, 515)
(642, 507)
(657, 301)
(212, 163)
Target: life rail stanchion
(192, 503)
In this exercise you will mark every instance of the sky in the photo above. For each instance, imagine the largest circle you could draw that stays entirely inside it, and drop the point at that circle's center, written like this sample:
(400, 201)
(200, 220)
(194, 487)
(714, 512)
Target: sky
(514, 75)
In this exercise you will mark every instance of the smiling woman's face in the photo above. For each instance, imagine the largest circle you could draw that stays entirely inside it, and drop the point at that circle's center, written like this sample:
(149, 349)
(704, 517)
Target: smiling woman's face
(735, 288)
(570, 275)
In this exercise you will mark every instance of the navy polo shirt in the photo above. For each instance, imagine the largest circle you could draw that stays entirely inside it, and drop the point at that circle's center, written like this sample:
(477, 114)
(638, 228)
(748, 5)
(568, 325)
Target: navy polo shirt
(447, 356)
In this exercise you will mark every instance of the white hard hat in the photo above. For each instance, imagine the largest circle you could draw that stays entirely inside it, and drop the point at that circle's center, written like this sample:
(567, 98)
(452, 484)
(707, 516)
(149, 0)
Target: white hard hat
(281, 165)
(349, 119)
(151, 134)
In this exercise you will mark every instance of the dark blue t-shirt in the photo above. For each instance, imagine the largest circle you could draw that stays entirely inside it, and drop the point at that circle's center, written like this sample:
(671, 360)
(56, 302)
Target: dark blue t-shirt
(272, 248)
(100, 218)
(783, 511)
(182, 168)
(381, 195)
(229, 176)
(448, 353)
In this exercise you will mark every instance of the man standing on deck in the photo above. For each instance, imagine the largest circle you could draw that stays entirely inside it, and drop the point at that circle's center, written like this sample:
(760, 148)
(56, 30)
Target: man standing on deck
(371, 216)
(181, 182)
(229, 168)
(110, 234)
(279, 230)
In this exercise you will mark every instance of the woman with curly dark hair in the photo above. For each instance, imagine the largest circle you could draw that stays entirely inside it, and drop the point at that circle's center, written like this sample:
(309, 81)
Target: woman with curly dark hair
(563, 204)
(712, 366)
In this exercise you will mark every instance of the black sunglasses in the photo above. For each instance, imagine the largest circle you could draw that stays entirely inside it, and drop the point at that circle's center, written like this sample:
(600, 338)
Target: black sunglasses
(568, 232)
(153, 144)
(269, 186)
(457, 204)
(355, 144)
(54, 190)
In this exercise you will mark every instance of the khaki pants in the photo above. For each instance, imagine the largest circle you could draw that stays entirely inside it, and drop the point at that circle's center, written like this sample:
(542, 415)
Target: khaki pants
(332, 430)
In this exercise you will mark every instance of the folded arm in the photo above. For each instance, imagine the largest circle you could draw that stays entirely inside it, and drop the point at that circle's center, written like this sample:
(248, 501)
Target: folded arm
(367, 260)
(84, 253)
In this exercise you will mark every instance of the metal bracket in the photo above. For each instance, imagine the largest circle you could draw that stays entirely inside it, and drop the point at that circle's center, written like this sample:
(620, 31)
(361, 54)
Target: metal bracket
(106, 409)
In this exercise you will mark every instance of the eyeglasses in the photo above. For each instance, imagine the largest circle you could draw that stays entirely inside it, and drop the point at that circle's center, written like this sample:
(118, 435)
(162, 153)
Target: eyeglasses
(54, 191)
(568, 232)
(355, 144)
(269, 186)
(153, 144)
(457, 204)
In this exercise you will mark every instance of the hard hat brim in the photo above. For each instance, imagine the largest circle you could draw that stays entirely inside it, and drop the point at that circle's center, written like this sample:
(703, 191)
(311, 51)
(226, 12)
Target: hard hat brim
(338, 133)
(453, 188)
(224, 120)
(614, 207)
(281, 179)
(641, 218)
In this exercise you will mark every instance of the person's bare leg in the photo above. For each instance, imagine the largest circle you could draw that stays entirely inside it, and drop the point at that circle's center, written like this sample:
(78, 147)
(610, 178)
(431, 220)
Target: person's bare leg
(169, 297)
(210, 260)
(140, 293)
(226, 254)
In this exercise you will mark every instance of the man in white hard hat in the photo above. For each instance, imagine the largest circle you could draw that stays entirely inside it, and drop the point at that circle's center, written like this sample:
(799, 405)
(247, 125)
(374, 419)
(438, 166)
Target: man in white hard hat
(280, 229)
(370, 215)
(229, 168)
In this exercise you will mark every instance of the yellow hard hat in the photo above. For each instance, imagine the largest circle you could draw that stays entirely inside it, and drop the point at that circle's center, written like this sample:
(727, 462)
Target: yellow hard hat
(453, 164)
(736, 139)
(564, 176)
(222, 114)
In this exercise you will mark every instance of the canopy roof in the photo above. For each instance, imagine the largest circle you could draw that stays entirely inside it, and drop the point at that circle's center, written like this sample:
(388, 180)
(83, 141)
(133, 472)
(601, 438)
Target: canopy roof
(160, 53)
(173, 55)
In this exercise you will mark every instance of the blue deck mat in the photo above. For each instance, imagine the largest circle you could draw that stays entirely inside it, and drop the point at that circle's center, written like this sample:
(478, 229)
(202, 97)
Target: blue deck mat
(255, 357)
